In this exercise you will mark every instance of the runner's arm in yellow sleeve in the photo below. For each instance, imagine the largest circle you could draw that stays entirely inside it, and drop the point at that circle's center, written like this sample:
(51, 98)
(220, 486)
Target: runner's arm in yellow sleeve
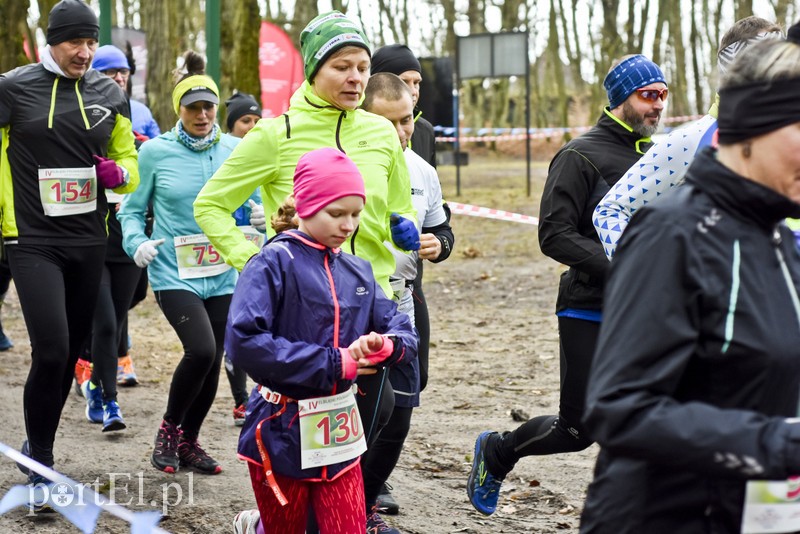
(122, 149)
(253, 163)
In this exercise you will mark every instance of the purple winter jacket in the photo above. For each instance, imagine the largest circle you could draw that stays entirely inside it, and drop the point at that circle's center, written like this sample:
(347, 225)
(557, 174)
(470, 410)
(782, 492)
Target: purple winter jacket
(281, 330)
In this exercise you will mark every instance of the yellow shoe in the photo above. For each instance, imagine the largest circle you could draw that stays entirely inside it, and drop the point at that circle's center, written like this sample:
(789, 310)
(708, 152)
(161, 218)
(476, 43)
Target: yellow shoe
(126, 375)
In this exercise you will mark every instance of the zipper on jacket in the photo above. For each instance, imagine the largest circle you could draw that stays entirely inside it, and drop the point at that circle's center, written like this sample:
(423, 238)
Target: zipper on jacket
(353, 241)
(288, 126)
(734, 296)
(787, 276)
(339, 129)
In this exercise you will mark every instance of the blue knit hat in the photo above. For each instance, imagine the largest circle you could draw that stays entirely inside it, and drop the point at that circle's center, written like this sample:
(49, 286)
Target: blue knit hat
(109, 57)
(628, 76)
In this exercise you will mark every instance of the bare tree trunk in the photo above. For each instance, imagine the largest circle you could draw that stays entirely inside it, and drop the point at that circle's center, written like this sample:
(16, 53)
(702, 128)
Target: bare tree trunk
(781, 10)
(742, 9)
(304, 11)
(554, 59)
(571, 51)
(643, 28)
(613, 47)
(662, 27)
(476, 16)
(158, 21)
(384, 9)
(13, 29)
(677, 78)
(241, 72)
(450, 13)
(405, 19)
(340, 5)
(44, 11)
(699, 77)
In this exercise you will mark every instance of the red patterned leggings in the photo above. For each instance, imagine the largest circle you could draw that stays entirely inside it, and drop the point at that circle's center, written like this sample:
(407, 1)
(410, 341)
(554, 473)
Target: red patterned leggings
(338, 505)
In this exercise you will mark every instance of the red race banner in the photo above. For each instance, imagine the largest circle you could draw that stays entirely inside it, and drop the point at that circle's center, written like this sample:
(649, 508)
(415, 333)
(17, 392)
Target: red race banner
(280, 69)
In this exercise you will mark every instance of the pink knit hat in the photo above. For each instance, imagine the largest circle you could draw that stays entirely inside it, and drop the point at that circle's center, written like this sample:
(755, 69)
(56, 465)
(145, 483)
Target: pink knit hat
(322, 176)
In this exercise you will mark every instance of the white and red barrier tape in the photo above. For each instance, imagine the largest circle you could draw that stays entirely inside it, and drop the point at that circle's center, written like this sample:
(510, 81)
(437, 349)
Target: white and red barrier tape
(489, 213)
(543, 133)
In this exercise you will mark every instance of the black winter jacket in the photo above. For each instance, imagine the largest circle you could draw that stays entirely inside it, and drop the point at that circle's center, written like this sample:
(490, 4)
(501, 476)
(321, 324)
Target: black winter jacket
(698, 362)
(580, 175)
(53, 122)
(423, 140)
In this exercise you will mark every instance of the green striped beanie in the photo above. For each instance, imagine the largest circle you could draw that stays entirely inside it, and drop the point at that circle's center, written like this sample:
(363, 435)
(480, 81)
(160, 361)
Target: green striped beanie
(326, 34)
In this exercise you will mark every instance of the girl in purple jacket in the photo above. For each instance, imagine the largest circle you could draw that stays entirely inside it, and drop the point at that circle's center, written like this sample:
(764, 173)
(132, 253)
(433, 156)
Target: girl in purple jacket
(305, 321)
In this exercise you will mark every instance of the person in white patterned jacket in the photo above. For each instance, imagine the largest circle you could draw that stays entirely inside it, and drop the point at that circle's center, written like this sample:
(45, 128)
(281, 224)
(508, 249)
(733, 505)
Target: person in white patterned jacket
(664, 165)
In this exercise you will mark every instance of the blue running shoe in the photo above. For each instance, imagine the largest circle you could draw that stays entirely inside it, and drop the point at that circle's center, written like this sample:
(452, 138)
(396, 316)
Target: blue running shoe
(94, 401)
(5, 343)
(112, 417)
(483, 488)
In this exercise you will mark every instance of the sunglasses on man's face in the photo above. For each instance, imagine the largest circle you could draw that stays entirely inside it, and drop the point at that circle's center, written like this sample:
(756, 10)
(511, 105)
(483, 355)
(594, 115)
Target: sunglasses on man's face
(651, 95)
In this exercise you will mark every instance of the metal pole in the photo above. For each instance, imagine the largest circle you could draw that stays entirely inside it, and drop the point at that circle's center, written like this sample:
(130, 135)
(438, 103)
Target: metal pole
(527, 111)
(212, 38)
(105, 22)
(457, 105)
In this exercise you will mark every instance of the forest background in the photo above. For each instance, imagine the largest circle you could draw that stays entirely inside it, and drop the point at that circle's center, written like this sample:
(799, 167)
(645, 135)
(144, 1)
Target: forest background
(572, 44)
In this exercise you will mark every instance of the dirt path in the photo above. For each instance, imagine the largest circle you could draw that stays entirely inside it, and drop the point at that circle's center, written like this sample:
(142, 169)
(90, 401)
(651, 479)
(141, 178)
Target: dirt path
(494, 350)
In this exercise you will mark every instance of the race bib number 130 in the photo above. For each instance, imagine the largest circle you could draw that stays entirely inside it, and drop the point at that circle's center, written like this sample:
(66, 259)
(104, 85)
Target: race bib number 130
(330, 430)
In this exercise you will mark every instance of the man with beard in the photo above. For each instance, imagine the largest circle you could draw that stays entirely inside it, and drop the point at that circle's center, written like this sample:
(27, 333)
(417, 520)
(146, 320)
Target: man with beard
(579, 176)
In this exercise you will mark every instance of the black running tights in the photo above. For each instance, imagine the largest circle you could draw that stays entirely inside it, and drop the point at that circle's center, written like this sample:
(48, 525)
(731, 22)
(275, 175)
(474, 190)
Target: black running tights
(57, 288)
(200, 325)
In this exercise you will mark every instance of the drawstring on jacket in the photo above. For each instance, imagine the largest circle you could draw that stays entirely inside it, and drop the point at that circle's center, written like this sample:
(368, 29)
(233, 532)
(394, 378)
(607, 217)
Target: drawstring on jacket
(53, 104)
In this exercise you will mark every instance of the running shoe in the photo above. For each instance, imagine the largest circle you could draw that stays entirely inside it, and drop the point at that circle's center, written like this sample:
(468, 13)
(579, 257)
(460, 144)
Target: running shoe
(386, 503)
(40, 491)
(483, 488)
(165, 451)
(239, 415)
(246, 522)
(376, 524)
(94, 401)
(126, 374)
(5, 342)
(83, 372)
(112, 417)
(192, 455)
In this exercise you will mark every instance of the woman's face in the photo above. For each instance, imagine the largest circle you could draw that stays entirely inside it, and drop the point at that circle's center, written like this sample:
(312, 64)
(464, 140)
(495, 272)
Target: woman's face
(198, 118)
(341, 80)
(775, 161)
(244, 124)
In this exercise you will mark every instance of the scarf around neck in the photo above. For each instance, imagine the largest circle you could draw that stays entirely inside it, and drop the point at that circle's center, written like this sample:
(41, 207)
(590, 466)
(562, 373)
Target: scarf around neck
(197, 144)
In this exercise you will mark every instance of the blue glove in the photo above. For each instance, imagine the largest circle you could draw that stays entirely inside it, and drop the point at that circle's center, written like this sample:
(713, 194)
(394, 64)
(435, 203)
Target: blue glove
(241, 216)
(404, 232)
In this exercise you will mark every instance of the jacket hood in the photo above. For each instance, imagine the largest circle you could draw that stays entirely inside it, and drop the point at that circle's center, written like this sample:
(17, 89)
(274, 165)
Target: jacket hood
(749, 199)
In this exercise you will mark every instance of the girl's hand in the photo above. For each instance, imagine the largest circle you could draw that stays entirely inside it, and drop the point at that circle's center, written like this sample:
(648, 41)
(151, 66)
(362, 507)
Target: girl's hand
(365, 345)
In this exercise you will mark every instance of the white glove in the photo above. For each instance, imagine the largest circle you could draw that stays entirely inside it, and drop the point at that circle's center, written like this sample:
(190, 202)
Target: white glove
(146, 252)
(257, 217)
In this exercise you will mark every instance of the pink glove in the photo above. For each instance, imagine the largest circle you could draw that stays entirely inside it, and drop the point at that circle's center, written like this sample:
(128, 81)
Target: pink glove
(109, 174)
(382, 353)
(349, 365)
